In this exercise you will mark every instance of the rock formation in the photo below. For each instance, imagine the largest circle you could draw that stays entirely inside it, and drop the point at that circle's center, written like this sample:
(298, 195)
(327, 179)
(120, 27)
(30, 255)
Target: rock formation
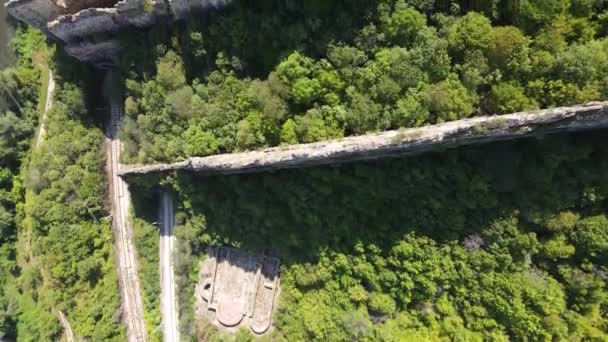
(402, 142)
(79, 23)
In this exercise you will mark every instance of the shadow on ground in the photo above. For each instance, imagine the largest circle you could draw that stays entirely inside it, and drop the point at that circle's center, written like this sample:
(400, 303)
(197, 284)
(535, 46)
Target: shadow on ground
(296, 214)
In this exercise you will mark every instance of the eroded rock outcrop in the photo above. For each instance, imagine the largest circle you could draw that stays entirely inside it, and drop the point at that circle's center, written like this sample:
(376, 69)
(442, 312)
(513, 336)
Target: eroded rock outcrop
(395, 143)
(79, 23)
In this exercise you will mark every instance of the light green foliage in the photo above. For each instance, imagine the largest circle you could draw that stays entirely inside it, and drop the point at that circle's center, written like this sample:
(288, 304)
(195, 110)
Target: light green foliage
(410, 111)
(180, 102)
(509, 97)
(470, 32)
(563, 221)
(19, 94)
(199, 142)
(403, 25)
(170, 73)
(71, 240)
(509, 51)
(381, 304)
(592, 234)
(288, 132)
(449, 100)
(250, 132)
(557, 247)
(318, 124)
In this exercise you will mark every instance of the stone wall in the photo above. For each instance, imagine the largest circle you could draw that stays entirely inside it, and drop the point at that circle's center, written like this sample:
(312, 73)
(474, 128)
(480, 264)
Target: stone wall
(397, 143)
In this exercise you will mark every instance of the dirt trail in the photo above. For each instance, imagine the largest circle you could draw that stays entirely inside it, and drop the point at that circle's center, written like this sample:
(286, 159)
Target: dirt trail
(50, 90)
(67, 328)
(133, 313)
(167, 251)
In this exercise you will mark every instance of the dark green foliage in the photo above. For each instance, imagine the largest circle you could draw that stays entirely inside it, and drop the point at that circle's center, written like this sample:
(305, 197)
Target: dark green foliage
(504, 241)
(256, 75)
(146, 239)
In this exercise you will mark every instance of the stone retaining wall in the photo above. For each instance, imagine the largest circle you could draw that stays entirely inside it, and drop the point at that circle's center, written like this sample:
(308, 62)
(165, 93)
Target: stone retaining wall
(402, 142)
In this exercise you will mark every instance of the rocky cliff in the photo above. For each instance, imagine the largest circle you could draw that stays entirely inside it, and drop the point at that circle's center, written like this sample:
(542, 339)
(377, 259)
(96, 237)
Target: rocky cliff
(79, 23)
(397, 143)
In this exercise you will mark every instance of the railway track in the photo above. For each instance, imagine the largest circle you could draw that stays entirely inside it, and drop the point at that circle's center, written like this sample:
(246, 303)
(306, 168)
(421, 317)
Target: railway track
(132, 304)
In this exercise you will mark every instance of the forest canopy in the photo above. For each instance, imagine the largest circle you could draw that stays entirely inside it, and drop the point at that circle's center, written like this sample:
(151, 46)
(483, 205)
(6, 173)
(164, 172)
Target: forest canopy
(55, 239)
(508, 241)
(258, 74)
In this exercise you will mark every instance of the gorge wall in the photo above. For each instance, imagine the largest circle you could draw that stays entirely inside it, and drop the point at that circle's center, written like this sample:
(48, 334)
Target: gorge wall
(79, 24)
(396, 143)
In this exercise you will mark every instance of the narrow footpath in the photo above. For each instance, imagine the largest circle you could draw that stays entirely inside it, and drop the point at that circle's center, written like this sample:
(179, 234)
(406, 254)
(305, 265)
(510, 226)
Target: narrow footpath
(67, 328)
(50, 91)
(133, 313)
(168, 301)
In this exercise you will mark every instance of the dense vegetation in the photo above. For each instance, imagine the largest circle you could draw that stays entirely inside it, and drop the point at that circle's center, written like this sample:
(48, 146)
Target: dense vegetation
(508, 241)
(19, 88)
(267, 73)
(56, 238)
(146, 238)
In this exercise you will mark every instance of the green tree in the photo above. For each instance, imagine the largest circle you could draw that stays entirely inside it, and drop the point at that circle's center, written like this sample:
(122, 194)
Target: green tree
(249, 132)
(170, 72)
(509, 51)
(403, 25)
(509, 97)
(449, 100)
(288, 132)
(470, 32)
(198, 141)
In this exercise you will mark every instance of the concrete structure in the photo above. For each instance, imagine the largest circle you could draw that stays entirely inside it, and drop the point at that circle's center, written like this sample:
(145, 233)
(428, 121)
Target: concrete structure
(403, 142)
(238, 289)
(87, 27)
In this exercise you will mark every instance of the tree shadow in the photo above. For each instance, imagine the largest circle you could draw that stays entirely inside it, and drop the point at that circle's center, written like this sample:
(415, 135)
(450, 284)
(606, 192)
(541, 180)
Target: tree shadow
(261, 33)
(448, 195)
(252, 36)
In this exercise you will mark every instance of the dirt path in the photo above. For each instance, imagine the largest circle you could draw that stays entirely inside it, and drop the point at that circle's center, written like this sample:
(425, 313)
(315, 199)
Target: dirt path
(167, 241)
(133, 313)
(50, 90)
(67, 328)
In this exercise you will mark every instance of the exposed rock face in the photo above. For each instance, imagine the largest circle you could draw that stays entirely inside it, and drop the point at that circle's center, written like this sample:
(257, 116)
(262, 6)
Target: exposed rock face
(76, 21)
(98, 53)
(396, 143)
(73, 6)
(34, 12)
(95, 20)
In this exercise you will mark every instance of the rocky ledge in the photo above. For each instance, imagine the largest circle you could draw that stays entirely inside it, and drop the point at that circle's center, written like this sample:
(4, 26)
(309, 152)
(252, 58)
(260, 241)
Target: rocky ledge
(395, 143)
